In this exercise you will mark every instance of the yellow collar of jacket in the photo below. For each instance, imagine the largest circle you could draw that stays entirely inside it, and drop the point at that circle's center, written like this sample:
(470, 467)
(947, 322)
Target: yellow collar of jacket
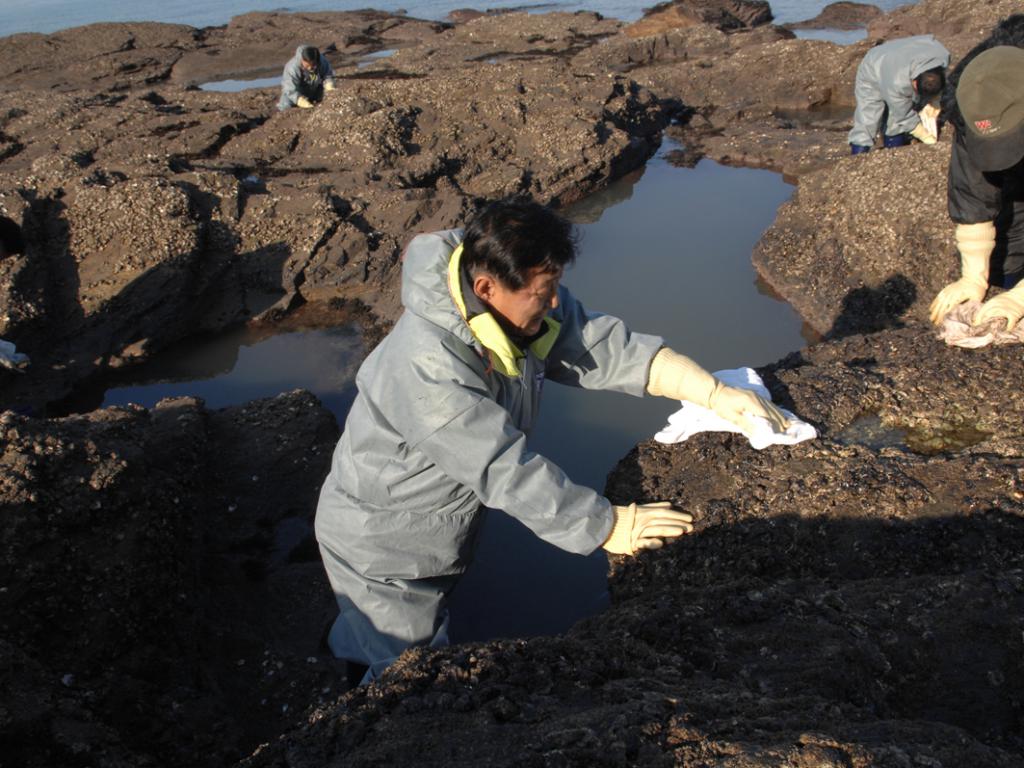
(505, 356)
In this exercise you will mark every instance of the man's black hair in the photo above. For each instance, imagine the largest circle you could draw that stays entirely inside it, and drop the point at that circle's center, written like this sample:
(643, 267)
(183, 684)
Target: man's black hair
(10, 237)
(509, 238)
(1009, 31)
(311, 54)
(930, 83)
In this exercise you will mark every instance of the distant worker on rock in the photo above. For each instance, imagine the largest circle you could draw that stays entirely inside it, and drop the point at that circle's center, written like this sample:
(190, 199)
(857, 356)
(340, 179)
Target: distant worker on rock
(438, 430)
(896, 83)
(985, 189)
(305, 78)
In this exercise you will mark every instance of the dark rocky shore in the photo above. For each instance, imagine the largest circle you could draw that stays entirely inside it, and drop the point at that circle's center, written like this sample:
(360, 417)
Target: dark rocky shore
(853, 601)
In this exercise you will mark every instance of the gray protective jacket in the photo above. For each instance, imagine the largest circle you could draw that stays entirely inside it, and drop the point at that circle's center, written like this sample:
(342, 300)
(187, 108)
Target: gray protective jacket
(884, 81)
(435, 432)
(296, 81)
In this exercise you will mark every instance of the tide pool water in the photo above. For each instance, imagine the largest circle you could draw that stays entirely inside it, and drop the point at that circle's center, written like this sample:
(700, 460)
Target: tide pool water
(52, 15)
(668, 249)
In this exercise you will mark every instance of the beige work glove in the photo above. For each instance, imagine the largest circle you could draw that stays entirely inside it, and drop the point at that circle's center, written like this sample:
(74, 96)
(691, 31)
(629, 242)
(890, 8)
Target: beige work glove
(303, 103)
(1009, 306)
(680, 378)
(975, 243)
(328, 85)
(645, 526)
(930, 111)
(922, 134)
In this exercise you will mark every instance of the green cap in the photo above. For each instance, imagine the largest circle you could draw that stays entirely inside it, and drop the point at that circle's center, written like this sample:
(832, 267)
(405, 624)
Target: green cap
(990, 95)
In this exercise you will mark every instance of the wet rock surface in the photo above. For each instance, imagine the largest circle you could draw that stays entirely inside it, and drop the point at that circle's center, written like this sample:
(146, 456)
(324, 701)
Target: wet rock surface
(841, 15)
(796, 120)
(725, 15)
(879, 261)
(152, 211)
(161, 599)
(852, 601)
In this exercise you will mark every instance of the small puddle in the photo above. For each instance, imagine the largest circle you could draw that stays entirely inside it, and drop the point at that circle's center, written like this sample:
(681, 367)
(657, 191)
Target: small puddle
(948, 439)
(234, 86)
(371, 58)
(870, 431)
(238, 366)
(837, 36)
(827, 113)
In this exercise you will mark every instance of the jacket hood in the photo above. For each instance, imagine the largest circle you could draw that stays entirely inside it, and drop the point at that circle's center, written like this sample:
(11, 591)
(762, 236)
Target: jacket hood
(425, 290)
(928, 53)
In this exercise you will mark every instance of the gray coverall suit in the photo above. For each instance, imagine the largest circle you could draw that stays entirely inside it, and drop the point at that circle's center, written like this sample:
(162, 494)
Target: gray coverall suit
(884, 82)
(436, 433)
(297, 81)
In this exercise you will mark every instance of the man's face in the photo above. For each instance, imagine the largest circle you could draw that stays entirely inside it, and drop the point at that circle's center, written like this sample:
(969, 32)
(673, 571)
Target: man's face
(521, 311)
(309, 66)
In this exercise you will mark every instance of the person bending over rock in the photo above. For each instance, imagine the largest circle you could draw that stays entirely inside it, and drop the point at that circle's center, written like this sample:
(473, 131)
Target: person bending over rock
(985, 188)
(305, 78)
(438, 430)
(896, 81)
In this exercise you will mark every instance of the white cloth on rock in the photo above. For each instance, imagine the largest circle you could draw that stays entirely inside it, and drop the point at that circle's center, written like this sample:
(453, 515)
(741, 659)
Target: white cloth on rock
(959, 331)
(10, 357)
(692, 418)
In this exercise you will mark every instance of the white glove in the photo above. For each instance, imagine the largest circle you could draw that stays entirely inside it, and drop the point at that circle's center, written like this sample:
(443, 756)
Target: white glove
(1009, 306)
(680, 378)
(645, 526)
(303, 103)
(924, 134)
(975, 243)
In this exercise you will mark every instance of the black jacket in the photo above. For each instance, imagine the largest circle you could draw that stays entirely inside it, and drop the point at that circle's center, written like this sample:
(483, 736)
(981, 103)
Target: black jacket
(974, 196)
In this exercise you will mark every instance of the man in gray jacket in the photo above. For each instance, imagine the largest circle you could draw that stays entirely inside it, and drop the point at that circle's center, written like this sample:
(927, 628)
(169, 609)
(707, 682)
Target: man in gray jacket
(438, 429)
(894, 81)
(305, 78)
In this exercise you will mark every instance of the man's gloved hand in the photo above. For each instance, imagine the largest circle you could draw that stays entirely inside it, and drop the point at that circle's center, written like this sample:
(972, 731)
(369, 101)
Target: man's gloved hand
(680, 378)
(645, 526)
(922, 134)
(930, 111)
(1009, 306)
(975, 243)
(738, 406)
(303, 103)
(328, 85)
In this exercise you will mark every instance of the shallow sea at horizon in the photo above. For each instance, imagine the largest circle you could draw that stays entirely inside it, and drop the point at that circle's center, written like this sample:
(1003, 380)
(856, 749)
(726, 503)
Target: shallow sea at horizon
(51, 15)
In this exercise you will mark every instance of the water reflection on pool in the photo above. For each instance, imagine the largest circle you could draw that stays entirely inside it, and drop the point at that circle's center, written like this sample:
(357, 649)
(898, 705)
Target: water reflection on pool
(837, 36)
(370, 58)
(234, 86)
(239, 366)
(667, 249)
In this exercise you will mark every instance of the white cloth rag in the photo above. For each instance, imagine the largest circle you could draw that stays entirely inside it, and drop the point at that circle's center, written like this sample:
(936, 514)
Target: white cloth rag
(10, 357)
(693, 418)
